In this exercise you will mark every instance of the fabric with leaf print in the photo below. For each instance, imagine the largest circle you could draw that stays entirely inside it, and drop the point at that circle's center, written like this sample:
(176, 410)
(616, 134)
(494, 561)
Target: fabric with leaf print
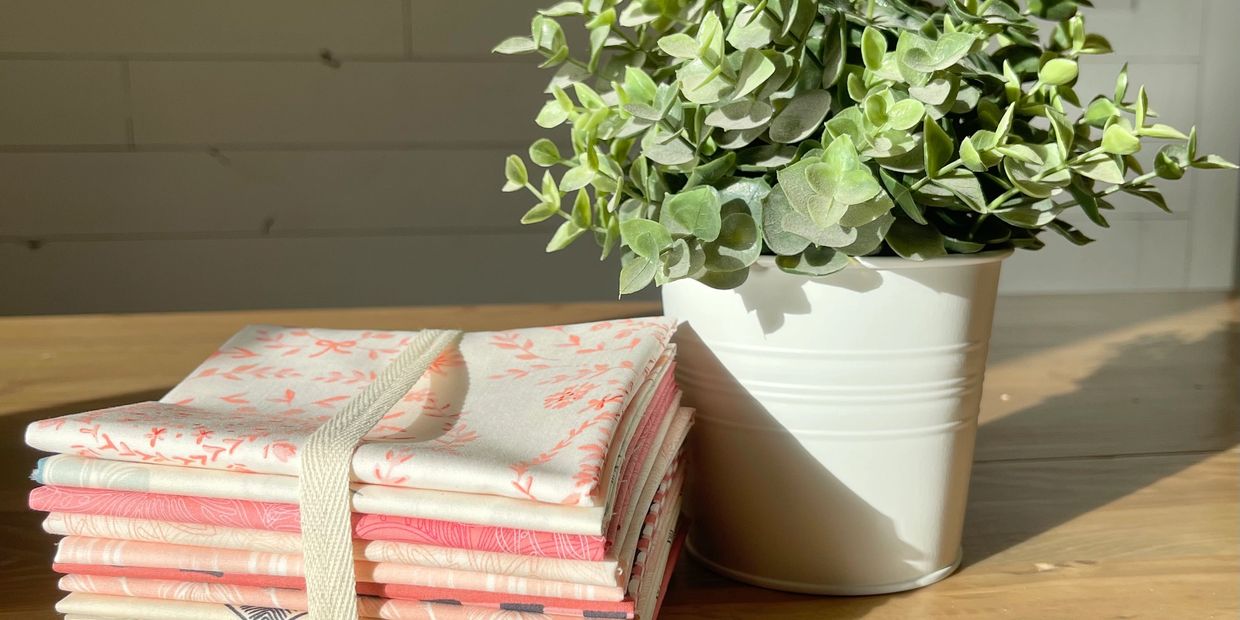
(295, 599)
(470, 508)
(527, 413)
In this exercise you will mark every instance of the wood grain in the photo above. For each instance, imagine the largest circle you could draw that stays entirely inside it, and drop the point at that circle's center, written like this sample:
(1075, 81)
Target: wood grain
(1108, 481)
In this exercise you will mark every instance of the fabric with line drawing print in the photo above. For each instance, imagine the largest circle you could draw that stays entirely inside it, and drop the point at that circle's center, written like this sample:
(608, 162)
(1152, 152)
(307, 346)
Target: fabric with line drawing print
(260, 595)
(99, 607)
(286, 518)
(81, 550)
(73, 471)
(528, 413)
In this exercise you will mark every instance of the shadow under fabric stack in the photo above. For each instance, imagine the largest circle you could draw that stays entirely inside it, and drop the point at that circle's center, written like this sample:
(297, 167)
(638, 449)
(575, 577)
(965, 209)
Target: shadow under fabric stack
(534, 473)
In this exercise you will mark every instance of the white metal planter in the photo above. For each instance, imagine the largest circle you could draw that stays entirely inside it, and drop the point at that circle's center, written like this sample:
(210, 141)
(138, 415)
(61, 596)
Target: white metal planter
(836, 420)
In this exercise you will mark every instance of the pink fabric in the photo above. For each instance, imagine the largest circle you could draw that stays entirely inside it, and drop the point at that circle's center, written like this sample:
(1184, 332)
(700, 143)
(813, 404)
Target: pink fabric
(83, 550)
(286, 518)
(644, 445)
(527, 414)
(255, 592)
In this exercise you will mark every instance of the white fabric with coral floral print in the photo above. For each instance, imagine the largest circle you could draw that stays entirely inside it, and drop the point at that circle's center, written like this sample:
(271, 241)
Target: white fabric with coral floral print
(527, 413)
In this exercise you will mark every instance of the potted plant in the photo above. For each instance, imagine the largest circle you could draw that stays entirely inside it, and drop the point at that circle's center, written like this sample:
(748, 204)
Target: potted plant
(826, 189)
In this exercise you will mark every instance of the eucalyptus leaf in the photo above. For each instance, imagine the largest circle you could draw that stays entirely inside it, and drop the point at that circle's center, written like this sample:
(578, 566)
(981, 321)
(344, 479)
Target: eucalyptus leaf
(693, 214)
(814, 262)
(802, 117)
(915, 242)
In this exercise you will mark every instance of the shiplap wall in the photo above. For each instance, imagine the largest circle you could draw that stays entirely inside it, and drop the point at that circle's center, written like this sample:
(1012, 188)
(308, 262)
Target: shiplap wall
(180, 154)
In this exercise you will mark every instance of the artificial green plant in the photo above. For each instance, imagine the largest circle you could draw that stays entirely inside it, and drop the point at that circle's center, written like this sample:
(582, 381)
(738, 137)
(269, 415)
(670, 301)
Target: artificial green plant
(706, 133)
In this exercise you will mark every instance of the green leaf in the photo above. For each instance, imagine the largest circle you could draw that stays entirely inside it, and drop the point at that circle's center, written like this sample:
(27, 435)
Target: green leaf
(915, 242)
(1213, 162)
(667, 150)
(638, 85)
(545, 153)
(582, 213)
(725, 280)
(934, 92)
(749, 32)
(1150, 194)
(552, 115)
(576, 178)
(515, 172)
(963, 185)
(905, 115)
(1119, 140)
(938, 147)
(903, 197)
(778, 239)
(738, 246)
(869, 237)
(814, 262)
(1167, 167)
(541, 212)
(1105, 168)
(563, 9)
(873, 48)
(802, 117)
(567, 233)
(1069, 232)
(636, 273)
(743, 114)
(701, 83)
(927, 56)
(756, 69)
(863, 213)
(1033, 217)
(1058, 71)
(1161, 131)
(515, 45)
(693, 213)
(1088, 202)
(679, 45)
(645, 237)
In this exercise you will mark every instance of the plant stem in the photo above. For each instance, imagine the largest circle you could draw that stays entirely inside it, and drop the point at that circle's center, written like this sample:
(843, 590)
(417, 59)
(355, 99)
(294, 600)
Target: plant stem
(945, 169)
(977, 225)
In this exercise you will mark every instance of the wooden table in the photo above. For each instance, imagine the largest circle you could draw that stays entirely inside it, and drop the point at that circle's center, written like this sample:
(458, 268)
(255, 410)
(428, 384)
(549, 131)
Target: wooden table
(1107, 482)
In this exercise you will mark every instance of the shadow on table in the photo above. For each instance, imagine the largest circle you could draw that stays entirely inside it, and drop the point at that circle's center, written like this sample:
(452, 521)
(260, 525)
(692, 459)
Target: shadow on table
(27, 583)
(1171, 400)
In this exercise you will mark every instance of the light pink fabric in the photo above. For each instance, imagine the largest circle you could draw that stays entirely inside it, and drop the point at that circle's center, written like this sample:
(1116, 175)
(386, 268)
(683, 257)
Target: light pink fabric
(173, 589)
(285, 518)
(529, 413)
(79, 550)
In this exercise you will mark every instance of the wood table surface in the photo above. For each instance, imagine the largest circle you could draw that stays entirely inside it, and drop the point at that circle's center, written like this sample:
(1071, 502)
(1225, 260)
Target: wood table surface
(1107, 482)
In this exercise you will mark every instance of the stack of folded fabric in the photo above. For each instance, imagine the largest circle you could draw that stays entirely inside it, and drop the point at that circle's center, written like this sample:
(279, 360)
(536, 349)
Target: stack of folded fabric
(533, 473)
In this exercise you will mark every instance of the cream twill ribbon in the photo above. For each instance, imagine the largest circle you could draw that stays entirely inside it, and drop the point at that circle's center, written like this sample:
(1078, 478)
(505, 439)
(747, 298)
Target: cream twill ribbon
(326, 517)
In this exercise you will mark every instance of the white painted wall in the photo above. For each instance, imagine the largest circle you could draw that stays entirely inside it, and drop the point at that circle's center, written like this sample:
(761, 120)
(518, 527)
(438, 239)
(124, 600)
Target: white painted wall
(179, 154)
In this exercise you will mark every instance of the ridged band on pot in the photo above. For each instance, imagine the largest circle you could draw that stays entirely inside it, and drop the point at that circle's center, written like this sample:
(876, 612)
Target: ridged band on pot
(836, 420)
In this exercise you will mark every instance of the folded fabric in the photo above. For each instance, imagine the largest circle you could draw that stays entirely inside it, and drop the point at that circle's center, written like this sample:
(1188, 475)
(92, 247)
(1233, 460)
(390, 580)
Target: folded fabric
(295, 599)
(607, 572)
(81, 550)
(542, 414)
(285, 518)
(471, 508)
(101, 607)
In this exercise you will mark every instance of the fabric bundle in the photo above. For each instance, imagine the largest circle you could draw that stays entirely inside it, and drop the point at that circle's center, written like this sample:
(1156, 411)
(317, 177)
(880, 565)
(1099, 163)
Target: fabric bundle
(533, 473)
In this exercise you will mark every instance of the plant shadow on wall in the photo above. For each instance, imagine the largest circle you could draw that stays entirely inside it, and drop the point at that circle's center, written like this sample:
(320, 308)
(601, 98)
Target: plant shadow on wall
(1163, 390)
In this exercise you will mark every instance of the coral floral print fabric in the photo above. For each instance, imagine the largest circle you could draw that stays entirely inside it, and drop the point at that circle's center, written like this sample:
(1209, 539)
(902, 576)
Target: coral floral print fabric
(528, 413)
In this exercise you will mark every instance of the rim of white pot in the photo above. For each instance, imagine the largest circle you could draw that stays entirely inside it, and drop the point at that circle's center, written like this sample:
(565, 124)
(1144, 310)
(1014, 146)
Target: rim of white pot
(892, 263)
